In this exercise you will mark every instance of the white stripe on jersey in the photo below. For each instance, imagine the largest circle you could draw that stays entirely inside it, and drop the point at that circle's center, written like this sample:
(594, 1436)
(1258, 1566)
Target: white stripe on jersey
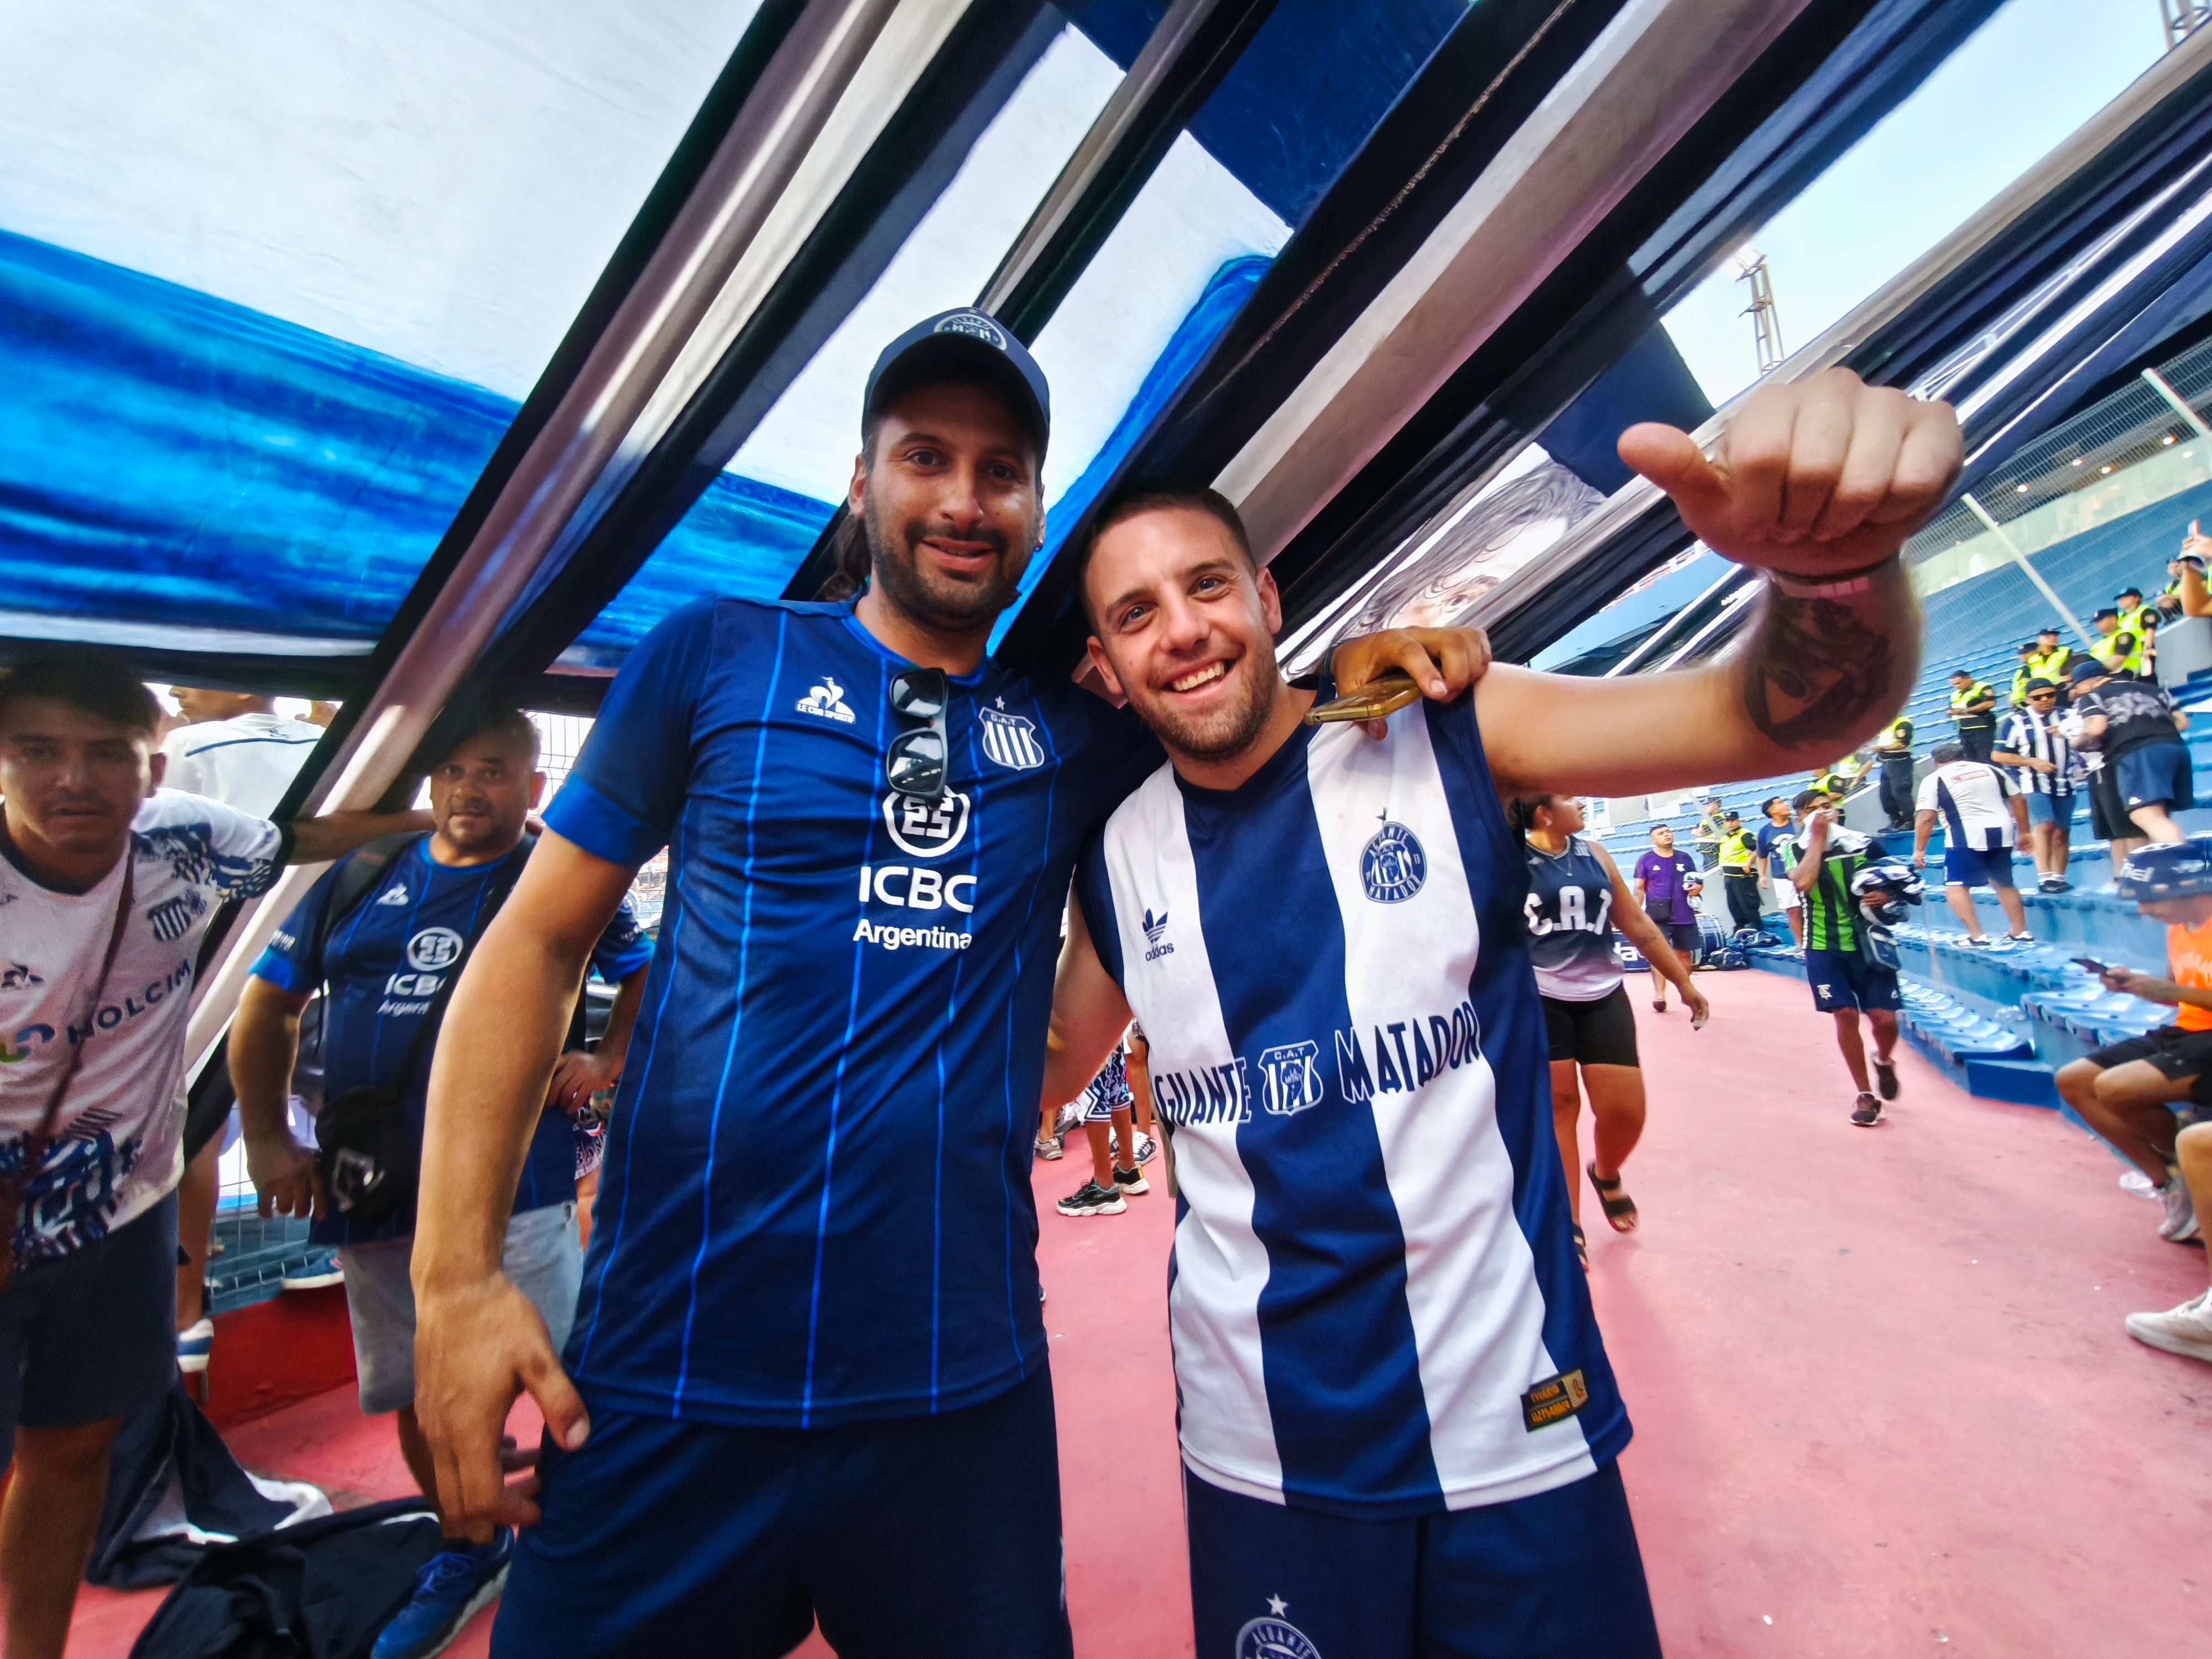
(1220, 1264)
(1470, 1276)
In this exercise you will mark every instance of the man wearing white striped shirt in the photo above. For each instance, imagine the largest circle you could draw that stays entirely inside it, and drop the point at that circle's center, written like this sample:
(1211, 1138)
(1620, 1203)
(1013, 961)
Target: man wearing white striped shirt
(2044, 768)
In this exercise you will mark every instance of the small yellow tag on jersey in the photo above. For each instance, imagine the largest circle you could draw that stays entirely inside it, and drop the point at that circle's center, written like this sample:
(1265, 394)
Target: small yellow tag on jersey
(1554, 1400)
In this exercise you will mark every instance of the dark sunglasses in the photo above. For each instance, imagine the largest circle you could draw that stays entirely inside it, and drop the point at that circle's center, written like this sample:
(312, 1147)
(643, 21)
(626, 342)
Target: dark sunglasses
(916, 762)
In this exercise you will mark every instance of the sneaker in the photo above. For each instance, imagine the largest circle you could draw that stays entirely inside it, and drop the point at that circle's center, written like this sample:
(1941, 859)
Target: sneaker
(1070, 1116)
(1979, 941)
(1885, 1078)
(195, 1344)
(2185, 1330)
(1130, 1182)
(450, 1589)
(2060, 884)
(321, 1268)
(1147, 1148)
(2020, 938)
(1867, 1113)
(1050, 1151)
(2180, 1222)
(1091, 1199)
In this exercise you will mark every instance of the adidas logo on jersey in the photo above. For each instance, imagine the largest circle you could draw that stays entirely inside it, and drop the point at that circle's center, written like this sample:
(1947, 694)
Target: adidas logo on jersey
(827, 702)
(1154, 926)
(393, 895)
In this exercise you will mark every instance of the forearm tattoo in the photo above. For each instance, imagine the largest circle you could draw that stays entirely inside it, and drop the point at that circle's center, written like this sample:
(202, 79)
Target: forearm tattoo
(1819, 671)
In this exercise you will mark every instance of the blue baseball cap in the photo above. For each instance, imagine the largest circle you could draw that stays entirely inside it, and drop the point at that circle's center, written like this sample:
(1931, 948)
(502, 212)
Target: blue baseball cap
(959, 344)
(2165, 870)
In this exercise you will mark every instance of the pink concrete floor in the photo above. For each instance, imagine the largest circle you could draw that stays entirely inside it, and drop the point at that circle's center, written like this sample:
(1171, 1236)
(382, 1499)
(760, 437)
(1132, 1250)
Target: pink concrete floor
(1884, 1404)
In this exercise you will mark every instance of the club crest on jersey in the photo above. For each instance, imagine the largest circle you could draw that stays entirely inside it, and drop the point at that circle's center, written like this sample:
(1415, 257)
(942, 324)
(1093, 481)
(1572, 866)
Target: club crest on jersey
(1290, 1078)
(1392, 865)
(1274, 1637)
(434, 948)
(926, 829)
(827, 702)
(173, 917)
(395, 897)
(1011, 740)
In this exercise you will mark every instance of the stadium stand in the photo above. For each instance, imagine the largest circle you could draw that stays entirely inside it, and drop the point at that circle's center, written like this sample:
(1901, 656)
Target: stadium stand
(2002, 1021)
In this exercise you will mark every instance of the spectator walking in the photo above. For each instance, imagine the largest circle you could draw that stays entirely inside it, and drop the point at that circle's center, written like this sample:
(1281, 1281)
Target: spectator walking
(2044, 768)
(236, 749)
(2128, 1092)
(107, 881)
(1849, 977)
(1983, 815)
(1739, 864)
(1107, 1121)
(1575, 899)
(1892, 752)
(2108, 815)
(2134, 726)
(1974, 713)
(1667, 888)
(388, 941)
(1777, 848)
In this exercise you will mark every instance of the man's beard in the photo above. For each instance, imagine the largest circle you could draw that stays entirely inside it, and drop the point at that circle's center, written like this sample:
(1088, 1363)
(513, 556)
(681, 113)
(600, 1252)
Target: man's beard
(1219, 734)
(930, 597)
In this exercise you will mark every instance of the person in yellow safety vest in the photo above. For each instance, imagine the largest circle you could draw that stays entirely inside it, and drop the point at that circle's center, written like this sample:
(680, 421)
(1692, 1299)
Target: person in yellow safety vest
(2141, 620)
(1973, 711)
(1739, 861)
(2120, 652)
(2051, 660)
(1892, 750)
(2019, 675)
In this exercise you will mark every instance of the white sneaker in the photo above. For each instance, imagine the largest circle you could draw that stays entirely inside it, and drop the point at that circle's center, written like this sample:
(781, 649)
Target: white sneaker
(2187, 1330)
(2180, 1223)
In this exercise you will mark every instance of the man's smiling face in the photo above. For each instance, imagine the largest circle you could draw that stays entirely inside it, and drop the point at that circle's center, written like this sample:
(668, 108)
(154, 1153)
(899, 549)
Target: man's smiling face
(1184, 627)
(950, 497)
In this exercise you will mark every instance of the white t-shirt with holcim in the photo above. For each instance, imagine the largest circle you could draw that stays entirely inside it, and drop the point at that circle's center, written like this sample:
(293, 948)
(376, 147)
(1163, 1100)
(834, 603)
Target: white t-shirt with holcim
(118, 1140)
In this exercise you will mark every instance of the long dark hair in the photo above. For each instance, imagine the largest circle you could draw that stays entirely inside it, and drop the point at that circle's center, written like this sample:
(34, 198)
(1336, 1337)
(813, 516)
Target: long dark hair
(849, 562)
(1521, 812)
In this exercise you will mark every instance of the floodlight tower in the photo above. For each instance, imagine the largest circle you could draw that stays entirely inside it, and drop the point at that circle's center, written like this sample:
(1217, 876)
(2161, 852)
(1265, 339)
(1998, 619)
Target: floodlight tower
(1749, 266)
(2183, 18)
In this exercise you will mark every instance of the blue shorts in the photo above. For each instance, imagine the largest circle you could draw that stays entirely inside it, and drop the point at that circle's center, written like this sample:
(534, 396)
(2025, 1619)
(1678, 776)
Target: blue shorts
(918, 1534)
(2157, 775)
(1557, 1574)
(1970, 867)
(92, 1334)
(1843, 980)
(2049, 809)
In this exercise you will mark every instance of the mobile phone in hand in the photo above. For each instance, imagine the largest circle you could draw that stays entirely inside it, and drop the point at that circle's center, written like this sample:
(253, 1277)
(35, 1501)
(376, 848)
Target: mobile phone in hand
(2092, 965)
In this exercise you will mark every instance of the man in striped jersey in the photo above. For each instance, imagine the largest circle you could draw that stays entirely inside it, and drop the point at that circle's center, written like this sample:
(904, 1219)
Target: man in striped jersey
(2035, 746)
(1398, 1426)
(1846, 976)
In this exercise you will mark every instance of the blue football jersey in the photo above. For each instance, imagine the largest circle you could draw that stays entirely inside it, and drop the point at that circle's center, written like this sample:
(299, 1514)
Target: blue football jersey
(815, 1207)
(384, 964)
(1375, 1308)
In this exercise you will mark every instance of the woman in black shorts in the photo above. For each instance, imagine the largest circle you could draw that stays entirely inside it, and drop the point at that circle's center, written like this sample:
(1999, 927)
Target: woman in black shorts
(1575, 899)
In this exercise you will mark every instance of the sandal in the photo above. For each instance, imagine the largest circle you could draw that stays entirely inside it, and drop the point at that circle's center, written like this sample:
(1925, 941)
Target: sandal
(1582, 1249)
(1619, 1207)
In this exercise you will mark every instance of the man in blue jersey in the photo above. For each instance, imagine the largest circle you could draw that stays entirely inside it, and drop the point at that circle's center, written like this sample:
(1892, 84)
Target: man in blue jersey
(387, 940)
(1398, 1423)
(808, 1340)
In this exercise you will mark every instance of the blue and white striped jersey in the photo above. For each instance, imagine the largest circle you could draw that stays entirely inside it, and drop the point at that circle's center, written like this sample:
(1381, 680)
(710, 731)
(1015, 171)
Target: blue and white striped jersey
(816, 1204)
(1374, 1306)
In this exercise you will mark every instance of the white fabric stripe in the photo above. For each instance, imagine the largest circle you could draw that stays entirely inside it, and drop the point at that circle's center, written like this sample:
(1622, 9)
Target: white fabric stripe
(1220, 1266)
(1478, 1315)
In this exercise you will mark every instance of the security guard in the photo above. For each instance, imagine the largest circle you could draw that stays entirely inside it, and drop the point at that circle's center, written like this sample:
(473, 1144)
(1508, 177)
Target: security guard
(1739, 862)
(2142, 621)
(2051, 660)
(2020, 675)
(2115, 649)
(1894, 750)
(1973, 711)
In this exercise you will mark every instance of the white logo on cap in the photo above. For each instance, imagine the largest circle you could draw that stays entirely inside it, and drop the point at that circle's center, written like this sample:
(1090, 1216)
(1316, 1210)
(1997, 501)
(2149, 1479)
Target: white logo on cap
(974, 325)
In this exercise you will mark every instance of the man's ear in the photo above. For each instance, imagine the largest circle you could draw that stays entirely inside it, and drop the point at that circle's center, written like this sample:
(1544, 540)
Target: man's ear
(856, 492)
(1098, 660)
(157, 768)
(1270, 603)
(536, 788)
